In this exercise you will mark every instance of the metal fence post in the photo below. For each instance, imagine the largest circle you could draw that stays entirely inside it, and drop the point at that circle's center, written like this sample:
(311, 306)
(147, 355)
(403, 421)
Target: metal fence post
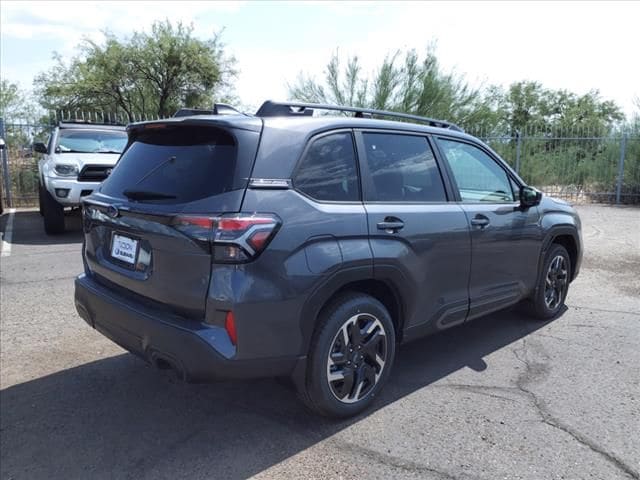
(623, 148)
(5, 166)
(518, 145)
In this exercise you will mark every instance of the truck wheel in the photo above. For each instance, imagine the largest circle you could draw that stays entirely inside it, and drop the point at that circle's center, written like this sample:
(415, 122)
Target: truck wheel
(350, 357)
(53, 214)
(40, 199)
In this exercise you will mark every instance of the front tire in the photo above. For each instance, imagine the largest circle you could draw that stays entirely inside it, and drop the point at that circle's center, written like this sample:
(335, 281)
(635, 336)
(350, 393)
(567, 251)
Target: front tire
(351, 355)
(40, 199)
(53, 214)
(553, 284)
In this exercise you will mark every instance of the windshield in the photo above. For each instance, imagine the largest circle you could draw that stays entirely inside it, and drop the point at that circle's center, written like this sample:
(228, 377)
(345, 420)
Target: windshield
(91, 141)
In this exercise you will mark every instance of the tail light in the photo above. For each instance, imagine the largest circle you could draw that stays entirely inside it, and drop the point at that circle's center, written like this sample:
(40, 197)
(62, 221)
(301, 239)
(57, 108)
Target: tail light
(233, 238)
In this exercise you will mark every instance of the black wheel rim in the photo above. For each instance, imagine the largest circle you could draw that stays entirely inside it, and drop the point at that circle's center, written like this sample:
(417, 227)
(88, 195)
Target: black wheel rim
(357, 358)
(555, 282)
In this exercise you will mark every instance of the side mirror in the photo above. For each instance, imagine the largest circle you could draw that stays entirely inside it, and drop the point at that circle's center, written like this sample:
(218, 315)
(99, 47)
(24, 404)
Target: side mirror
(529, 196)
(40, 147)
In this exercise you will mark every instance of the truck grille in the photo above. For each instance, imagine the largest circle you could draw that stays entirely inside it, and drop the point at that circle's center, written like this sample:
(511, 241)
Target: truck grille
(94, 173)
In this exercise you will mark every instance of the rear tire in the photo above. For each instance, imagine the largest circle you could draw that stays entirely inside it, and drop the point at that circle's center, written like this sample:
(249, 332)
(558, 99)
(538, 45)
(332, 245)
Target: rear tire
(350, 358)
(53, 214)
(553, 285)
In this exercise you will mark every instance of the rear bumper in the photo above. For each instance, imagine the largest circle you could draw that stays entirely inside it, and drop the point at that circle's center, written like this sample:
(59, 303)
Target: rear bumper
(197, 351)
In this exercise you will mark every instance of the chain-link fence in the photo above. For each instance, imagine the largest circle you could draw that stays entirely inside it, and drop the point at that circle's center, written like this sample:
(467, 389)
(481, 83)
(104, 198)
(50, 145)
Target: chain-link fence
(579, 166)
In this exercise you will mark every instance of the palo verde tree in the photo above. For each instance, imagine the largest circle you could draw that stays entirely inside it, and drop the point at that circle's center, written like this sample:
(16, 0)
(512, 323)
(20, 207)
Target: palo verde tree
(148, 74)
(403, 82)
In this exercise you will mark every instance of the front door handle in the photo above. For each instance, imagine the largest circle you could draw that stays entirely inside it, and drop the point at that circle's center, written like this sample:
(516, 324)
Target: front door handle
(391, 225)
(480, 221)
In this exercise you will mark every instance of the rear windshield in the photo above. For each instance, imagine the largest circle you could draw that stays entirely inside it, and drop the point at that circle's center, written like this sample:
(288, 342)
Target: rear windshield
(175, 165)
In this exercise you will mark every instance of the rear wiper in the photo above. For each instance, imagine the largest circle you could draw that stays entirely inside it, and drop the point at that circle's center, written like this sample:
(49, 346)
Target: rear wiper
(146, 195)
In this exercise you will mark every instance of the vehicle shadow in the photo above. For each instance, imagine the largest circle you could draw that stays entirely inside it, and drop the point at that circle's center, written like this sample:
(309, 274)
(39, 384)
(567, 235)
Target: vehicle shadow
(28, 229)
(119, 418)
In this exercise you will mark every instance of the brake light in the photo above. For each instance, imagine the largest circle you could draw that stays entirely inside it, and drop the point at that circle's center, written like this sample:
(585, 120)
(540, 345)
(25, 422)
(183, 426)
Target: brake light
(242, 237)
(233, 238)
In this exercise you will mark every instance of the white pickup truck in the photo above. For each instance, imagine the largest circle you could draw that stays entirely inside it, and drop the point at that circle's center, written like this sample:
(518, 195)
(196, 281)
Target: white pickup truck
(77, 158)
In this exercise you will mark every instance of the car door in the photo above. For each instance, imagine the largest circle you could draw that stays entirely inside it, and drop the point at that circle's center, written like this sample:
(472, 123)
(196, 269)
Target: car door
(505, 238)
(419, 240)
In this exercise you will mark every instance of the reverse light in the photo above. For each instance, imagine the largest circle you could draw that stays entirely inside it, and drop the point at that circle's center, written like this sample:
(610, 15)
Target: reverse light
(230, 327)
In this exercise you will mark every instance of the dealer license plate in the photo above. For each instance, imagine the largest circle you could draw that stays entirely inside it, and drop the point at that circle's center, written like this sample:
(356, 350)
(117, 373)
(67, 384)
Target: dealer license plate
(124, 249)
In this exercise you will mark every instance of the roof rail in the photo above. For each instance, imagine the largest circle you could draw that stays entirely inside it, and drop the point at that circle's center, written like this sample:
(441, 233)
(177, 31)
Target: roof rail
(295, 109)
(218, 109)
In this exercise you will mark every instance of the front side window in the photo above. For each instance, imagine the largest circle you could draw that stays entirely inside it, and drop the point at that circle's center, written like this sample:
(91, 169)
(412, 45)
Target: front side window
(478, 176)
(91, 141)
(328, 170)
(403, 169)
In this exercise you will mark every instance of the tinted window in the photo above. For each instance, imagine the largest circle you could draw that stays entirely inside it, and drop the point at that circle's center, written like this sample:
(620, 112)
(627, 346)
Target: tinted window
(403, 169)
(188, 163)
(328, 169)
(479, 177)
(91, 141)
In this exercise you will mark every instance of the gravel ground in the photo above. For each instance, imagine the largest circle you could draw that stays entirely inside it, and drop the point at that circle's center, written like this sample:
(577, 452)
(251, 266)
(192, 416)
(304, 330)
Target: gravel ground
(502, 397)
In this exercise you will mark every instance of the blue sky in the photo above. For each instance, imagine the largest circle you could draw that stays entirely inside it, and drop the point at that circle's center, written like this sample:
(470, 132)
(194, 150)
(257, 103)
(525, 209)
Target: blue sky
(576, 45)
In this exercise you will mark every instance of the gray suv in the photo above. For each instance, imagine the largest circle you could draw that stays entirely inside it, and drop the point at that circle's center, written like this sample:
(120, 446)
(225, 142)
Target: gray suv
(287, 244)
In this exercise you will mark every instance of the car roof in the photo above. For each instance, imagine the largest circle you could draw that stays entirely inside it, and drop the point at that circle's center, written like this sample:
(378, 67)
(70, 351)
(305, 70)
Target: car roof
(90, 126)
(327, 122)
(307, 124)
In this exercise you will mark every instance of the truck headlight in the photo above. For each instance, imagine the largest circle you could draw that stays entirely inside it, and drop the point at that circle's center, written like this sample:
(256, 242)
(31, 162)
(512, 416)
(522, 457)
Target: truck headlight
(66, 170)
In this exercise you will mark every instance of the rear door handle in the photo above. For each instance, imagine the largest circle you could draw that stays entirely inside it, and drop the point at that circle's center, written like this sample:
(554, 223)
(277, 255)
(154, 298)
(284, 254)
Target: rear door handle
(480, 221)
(391, 225)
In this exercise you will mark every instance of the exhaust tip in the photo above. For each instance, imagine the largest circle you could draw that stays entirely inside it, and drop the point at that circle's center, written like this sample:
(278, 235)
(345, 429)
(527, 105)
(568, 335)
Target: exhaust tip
(165, 363)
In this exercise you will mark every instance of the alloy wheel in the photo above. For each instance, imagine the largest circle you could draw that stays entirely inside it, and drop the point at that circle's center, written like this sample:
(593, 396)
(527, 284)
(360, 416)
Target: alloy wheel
(556, 282)
(357, 358)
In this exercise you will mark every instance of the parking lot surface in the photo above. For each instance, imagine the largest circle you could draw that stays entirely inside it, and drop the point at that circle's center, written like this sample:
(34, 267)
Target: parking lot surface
(501, 397)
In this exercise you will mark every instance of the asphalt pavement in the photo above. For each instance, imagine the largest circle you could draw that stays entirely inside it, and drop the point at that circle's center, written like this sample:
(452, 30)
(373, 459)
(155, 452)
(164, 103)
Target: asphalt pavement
(503, 397)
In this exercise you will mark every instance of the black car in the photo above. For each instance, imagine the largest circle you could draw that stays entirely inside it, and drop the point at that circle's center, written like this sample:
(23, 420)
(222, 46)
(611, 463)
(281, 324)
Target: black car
(287, 244)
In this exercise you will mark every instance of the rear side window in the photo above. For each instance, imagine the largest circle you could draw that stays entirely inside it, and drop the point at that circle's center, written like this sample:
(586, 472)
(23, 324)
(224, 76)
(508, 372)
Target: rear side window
(328, 171)
(403, 169)
(183, 164)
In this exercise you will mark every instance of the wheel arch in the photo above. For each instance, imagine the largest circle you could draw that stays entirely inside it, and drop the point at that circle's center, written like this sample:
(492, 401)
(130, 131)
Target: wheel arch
(567, 236)
(356, 280)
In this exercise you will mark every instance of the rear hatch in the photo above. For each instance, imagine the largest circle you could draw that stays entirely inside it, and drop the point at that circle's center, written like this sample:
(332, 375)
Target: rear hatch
(147, 230)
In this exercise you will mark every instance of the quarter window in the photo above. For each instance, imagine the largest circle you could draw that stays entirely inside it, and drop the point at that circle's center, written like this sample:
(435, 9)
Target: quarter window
(478, 176)
(328, 170)
(403, 169)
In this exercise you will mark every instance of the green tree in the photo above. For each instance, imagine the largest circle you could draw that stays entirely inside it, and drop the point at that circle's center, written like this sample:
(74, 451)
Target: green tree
(403, 82)
(529, 105)
(15, 104)
(148, 74)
